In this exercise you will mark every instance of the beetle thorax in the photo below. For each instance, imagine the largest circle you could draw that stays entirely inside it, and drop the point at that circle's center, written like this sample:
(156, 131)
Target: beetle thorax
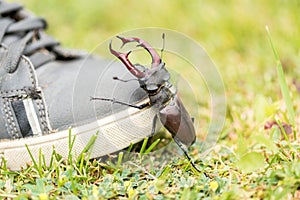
(161, 98)
(156, 84)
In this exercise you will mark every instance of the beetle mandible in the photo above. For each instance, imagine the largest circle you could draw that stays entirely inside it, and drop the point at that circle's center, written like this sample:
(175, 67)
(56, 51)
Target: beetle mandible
(162, 96)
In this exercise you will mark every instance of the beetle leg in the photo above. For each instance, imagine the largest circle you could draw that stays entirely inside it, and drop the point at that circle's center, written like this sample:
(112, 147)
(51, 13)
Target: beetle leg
(156, 60)
(153, 125)
(185, 151)
(124, 58)
(193, 119)
(120, 102)
(123, 80)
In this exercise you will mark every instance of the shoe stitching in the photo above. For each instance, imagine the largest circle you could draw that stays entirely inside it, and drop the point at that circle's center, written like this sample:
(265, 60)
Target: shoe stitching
(11, 93)
(11, 124)
(32, 33)
(39, 102)
(42, 115)
(19, 94)
(31, 76)
(33, 80)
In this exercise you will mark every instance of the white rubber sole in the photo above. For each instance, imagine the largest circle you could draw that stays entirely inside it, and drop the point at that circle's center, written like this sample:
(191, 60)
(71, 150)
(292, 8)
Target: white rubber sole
(115, 132)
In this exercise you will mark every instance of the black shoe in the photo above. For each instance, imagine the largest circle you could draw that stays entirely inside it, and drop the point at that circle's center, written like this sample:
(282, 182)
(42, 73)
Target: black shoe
(45, 90)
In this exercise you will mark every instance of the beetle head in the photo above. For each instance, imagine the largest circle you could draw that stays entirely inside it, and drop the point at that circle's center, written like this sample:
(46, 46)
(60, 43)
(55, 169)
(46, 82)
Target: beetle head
(151, 80)
(154, 78)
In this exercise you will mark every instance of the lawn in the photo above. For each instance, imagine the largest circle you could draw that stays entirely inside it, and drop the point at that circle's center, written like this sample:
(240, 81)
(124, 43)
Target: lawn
(257, 152)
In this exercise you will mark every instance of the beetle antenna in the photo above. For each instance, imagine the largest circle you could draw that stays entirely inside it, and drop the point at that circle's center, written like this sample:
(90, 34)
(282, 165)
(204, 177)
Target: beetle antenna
(117, 78)
(163, 46)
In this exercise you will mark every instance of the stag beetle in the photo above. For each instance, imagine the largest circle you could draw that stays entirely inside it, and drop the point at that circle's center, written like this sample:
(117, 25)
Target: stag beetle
(162, 95)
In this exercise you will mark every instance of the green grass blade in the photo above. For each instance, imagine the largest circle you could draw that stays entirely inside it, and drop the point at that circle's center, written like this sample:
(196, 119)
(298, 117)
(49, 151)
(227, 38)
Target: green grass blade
(144, 145)
(152, 146)
(87, 148)
(4, 166)
(52, 156)
(283, 85)
(120, 158)
(283, 131)
(71, 144)
(80, 159)
(34, 161)
(126, 155)
(130, 147)
(90, 144)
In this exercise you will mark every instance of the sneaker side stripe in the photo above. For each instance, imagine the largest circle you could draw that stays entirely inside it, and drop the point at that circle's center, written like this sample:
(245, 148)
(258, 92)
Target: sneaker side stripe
(32, 117)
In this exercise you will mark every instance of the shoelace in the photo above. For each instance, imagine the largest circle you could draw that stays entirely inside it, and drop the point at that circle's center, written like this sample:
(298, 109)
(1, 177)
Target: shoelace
(29, 30)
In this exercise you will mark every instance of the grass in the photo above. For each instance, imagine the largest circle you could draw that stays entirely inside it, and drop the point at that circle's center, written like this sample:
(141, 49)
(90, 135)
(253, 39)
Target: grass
(283, 86)
(256, 156)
